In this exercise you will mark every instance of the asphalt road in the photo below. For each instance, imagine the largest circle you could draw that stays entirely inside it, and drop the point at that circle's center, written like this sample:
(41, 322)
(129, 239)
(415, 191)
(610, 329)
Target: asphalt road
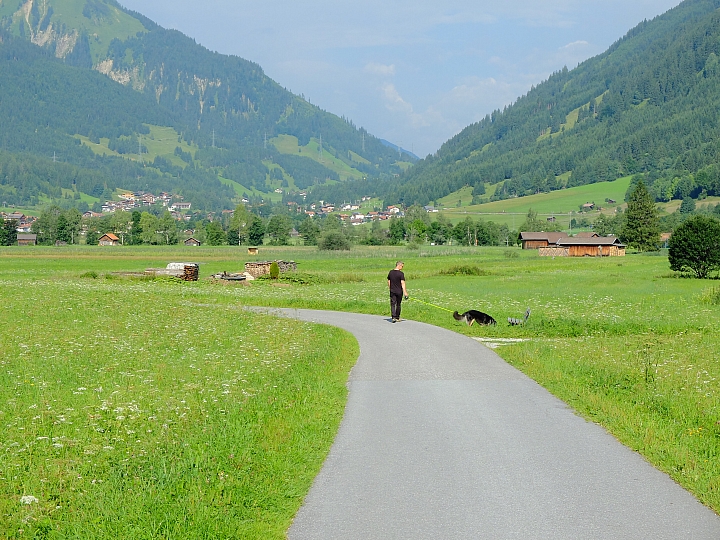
(442, 439)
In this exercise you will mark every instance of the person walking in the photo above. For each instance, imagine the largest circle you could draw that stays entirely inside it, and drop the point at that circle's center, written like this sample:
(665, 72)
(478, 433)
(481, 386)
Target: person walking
(396, 284)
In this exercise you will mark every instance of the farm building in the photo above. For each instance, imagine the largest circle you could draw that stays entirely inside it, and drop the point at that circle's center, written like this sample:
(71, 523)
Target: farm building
(26, 239)
(192, 242)
(109, 239)
(536, 240)
(587, 234)
(601, 246)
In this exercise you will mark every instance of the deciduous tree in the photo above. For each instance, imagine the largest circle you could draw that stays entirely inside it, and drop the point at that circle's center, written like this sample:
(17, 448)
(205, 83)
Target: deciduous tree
(695, 246)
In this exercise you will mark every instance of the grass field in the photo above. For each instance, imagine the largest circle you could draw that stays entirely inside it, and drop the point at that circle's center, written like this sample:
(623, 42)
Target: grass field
(560, 204)
(164, 409)
(288, 144)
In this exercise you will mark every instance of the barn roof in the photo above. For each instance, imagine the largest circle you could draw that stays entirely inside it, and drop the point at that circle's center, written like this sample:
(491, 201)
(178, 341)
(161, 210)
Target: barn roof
(111, 236)
(597, 241)
(551, 237)
(586, 234)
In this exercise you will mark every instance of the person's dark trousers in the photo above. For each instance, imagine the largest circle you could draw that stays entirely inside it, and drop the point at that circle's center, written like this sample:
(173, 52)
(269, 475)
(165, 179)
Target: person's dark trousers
(395, 300)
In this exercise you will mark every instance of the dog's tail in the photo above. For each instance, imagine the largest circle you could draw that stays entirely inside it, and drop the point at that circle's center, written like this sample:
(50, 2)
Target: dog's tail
(457, 316)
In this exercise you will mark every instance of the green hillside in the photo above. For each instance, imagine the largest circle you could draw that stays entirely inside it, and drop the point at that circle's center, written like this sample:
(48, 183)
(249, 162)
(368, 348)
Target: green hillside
(564, 204)
(646, 106)
(106, 83)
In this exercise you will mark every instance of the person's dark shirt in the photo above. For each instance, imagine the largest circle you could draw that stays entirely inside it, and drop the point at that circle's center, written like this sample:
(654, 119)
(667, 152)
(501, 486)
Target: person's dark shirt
(396, 277)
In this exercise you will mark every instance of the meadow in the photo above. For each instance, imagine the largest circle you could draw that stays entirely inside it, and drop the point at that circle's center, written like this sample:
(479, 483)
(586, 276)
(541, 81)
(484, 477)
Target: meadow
(164, 409)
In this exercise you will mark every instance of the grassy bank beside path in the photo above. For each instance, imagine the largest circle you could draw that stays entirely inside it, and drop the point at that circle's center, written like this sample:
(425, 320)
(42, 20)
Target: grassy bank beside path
(134, 409)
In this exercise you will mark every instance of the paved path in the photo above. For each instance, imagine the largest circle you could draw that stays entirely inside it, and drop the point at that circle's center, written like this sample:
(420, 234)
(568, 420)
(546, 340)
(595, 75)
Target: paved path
(442, 439)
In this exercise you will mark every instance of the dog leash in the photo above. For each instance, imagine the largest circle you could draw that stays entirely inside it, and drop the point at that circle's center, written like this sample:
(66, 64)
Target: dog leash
(433, 305)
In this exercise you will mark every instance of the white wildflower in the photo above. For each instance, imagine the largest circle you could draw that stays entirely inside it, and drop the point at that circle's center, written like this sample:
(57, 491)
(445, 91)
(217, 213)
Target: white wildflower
(28, 499)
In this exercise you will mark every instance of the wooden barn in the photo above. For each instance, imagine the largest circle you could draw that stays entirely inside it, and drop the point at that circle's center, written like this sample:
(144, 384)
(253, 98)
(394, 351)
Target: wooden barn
(109, 239)
(192, 242)
(599, 246)
(24, 239)
(536, 240)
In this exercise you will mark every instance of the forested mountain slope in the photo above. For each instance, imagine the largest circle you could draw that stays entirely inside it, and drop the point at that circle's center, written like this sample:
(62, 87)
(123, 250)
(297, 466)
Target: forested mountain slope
(648, 105)
(103, 75)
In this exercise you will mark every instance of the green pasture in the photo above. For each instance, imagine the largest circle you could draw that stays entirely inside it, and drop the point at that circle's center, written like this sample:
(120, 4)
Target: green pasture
(164, 409)
(288, 144)
(161, 142)
(557, 203)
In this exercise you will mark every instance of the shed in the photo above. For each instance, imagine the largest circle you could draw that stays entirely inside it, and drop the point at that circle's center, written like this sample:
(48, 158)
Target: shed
(192, 242)
(253, 251)
(24, 239)
(603, 246)
(109, 239)
(536, 240)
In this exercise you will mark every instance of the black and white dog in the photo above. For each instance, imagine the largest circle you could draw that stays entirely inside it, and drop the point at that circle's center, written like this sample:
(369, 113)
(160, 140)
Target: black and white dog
(472, 316)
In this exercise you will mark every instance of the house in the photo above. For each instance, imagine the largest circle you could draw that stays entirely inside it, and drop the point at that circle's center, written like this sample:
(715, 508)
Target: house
(536, 240)
(192, 242)
(665, 239)
(588, 206)
(430, 209)
(109, 239)
(180, 206)
(600, 246)
(24, 239)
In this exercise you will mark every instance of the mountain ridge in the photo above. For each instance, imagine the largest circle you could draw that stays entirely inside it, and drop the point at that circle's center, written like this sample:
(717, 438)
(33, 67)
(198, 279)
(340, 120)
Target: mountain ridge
(646, 106)
(224, 105)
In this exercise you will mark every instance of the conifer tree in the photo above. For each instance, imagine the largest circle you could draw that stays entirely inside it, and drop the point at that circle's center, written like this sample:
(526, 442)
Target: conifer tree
(641, 229)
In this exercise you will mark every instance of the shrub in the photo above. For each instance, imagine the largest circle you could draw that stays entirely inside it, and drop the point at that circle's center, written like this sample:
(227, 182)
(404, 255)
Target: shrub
(711, 296)
(695, 246)
(334, 241)
(274, 270)
(464, 270)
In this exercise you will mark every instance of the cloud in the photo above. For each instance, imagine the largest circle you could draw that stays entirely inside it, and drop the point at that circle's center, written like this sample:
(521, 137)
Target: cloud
(575, 44)
(380, 69)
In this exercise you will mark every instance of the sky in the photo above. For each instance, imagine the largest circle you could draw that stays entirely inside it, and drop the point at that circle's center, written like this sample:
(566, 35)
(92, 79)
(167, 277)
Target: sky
(414, 72)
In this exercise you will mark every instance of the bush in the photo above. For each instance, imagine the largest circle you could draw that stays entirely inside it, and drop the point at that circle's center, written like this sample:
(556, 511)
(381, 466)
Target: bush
(711, 296)
(334, 241)
(695, 246)
(464, 270)
(274, 270)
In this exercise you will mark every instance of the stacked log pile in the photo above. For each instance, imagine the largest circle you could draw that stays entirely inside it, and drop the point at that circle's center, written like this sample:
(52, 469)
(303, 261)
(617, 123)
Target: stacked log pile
(257, 269)
(184, 271)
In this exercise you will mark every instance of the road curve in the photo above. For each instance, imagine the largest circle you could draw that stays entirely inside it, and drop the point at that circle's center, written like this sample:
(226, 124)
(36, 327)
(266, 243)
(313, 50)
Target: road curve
(442, 439)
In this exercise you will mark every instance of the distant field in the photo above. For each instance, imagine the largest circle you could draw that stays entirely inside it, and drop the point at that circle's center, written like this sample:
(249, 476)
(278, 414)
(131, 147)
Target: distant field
(288, 144)
(26, 211)
(161, 142)
(557, 203)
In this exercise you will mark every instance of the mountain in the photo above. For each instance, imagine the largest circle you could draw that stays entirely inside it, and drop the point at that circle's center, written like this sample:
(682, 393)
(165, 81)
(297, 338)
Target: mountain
(128, 104)
(648, 105)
